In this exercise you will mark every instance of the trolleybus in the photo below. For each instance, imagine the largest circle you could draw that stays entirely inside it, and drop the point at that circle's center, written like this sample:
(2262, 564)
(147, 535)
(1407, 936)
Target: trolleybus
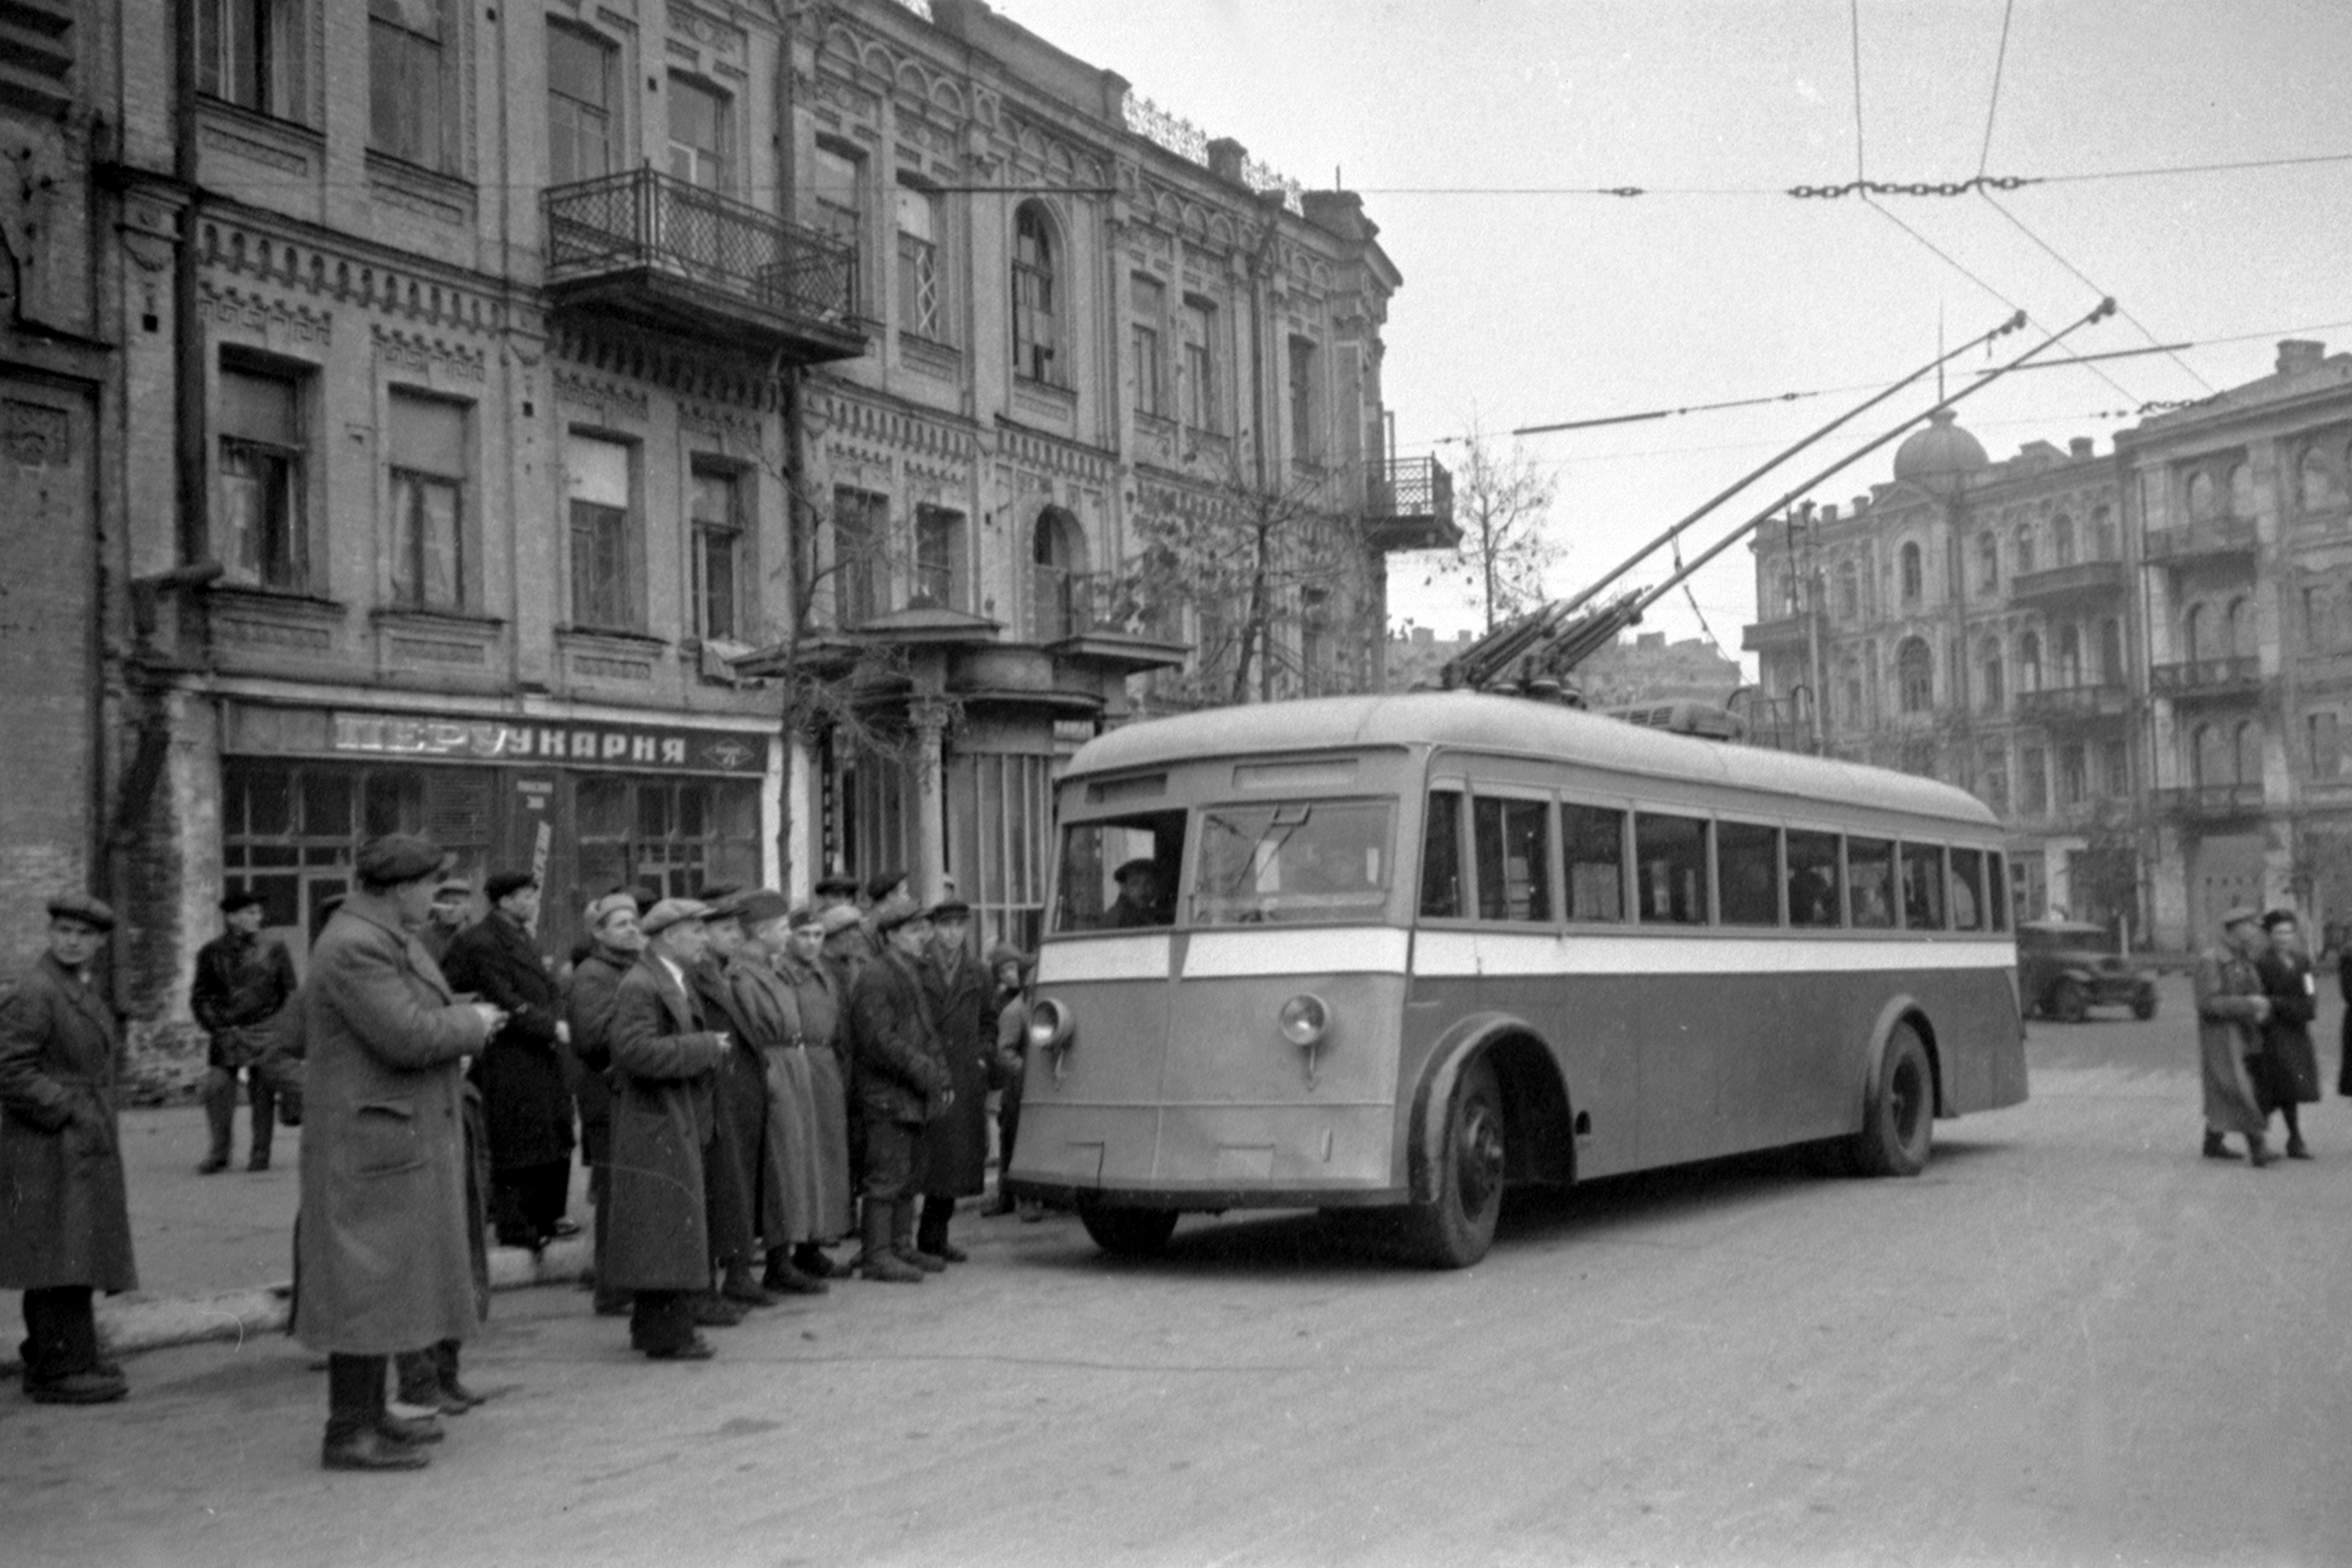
(1403, 952)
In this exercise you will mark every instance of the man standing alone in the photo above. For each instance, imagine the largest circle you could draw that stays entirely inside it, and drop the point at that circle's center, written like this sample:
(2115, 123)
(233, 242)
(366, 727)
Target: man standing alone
(64, 1226)
(241, 986)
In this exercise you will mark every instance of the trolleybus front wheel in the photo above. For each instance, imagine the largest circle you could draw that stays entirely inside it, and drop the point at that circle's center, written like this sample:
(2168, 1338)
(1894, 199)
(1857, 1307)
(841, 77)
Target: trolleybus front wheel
(1899, 1124)
(1127, 1232)
(1456, 1226)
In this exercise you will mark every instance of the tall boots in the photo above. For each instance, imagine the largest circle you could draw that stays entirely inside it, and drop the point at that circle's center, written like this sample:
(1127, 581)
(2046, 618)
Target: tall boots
(931, 1234)
(902, 1238)
(880, 1260)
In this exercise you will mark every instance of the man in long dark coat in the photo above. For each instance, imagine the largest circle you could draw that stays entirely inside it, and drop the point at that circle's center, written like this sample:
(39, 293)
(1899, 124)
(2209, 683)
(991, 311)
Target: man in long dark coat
(65, 1223)
(525, 1101)
(792, 1176)
(818, 997)
(381, 1246)
(900, 1082)
(242, 985)
(588, 1008)
(663, 1121)
(955, 1163)
(738, 1095)
(2286, 1073)
(2230, 1012)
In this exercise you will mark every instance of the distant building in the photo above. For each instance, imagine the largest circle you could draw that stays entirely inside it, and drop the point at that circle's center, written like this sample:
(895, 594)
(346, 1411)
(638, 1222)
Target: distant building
(1646, 667)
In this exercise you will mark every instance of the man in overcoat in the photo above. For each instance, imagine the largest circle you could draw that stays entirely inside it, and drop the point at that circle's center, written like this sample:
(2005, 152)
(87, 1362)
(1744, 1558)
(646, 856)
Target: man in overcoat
(241, 986)
(902, 1082)
(663, 1121)
(588, 1003)
(2230, 1012)
(791, 1186)
(526, 1099)
(1009, 1031)
(955, 1164)
(738, 1197)
(65, 1224)
(817, 997)
(2286, 1073)
(381, 1246)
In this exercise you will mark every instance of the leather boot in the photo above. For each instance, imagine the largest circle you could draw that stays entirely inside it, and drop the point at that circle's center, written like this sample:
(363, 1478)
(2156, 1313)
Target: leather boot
(2217, 1149)
(2256, 1152)
(902, 1238)
(879, 1262)
(810, 1261)
(220, 1118)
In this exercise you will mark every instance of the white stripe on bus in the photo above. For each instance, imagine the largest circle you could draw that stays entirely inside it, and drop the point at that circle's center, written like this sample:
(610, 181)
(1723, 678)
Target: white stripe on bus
(1462, 952)
(1328, 950)
(1141, 957)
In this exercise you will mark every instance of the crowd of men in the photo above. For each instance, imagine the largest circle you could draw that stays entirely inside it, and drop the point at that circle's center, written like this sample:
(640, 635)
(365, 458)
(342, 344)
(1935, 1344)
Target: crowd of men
(750, 1082)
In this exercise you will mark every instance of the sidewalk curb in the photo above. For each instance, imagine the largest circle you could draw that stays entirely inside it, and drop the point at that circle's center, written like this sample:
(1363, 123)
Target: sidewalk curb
(133, 1324)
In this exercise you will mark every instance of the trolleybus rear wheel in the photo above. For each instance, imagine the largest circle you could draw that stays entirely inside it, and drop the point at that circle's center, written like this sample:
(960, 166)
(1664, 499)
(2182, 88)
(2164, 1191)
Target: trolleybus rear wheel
(1128, 1232)
(1456, 1226)
(1899, 1124)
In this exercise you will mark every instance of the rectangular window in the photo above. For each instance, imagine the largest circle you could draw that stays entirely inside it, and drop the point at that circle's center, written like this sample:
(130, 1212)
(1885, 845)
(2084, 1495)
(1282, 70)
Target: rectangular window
(2115, 764)
(263, 452)
(1967, 890)
(1747, 873)
(1593, 840)
(1297, 861)
(428, 502)
(939, 557)
(923, 300)
(1870, 883)
(251, 53)
(1303, 447)
(674, 837)
(701, 144)
(837, 179)
(2032, 781)
(2327, 761)
(411, 81)
(579, 105)
(1670, 869)
(1036, 340)
(598, 488)
(1514, 859)
(860, 524)
(718, 556)
(1923, 887)
(1149, 306)
(1814, 901)
(2073, 774)
(1441, 856)
(1198, 396)
(1093, 896)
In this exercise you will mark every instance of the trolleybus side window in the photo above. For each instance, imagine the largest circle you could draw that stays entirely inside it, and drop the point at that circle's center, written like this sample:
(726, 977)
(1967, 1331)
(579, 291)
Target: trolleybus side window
(1514, 849)
(1670, 869)
(1813, 880)
(1593, 840)
(1747, 873)
(1967, 890)
(1996, 889)
(1923, 887)
(1295, 861)
(1441, 856)
(1870, 882)
(1120, 873)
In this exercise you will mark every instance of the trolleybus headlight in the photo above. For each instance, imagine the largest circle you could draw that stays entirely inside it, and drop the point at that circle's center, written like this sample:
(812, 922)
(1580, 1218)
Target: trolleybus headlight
(1050, 1025)
(1305, 1020)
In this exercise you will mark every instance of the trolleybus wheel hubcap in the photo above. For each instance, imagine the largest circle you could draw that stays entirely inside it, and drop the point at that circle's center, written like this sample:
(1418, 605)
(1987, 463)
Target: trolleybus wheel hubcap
(1478, 1155)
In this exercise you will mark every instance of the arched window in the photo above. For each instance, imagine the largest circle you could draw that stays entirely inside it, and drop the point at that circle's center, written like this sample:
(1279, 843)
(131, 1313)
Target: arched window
(1914, 673)
(2070, 656)
(2024, 549)
(2209, 756)
(2246, 753)
(1036, 338)
(1987, 562)
(2242, 491)
(2203, 498)
(1988, 656)
(1057, 555)
(2193, 634)
(2318, 484)
(2062, 540)
(2103, 533)
(1914, 583)
(2241, 628)
(2029, 662)
(1849, 592)
(1854, 717)
(2111, 653)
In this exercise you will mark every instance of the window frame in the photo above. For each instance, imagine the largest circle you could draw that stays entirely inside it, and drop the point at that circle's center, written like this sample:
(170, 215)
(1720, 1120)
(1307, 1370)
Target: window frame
(433, 141)
(1543, 901)
(275, 82)
(610, 112)
(1036, 333)
(922, 260)
(731, 534)
(1705, 859)
(1776, 878)
(1197, 396)
(616, 533)
(723, 156)
(409, 484)
(288, 522)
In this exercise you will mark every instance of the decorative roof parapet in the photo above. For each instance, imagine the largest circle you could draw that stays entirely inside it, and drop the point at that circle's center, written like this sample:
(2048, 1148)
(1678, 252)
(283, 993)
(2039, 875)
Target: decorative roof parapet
(1165, 128)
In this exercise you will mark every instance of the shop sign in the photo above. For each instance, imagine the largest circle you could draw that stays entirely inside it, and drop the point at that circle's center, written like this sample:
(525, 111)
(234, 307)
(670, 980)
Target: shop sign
(430, 738)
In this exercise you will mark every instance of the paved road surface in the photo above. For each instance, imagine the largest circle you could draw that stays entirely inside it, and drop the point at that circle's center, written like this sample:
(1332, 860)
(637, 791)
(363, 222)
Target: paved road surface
(2072, 1341)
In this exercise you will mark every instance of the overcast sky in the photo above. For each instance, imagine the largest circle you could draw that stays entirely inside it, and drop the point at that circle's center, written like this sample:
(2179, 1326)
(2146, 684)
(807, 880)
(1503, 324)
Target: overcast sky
(1520, 309)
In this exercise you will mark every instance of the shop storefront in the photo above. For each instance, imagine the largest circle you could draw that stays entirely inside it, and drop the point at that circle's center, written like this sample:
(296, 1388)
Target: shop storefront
(590, 805)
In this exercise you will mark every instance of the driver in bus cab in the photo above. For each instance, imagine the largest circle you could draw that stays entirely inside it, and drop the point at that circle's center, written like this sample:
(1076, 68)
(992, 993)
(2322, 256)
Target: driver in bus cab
(1138, 903)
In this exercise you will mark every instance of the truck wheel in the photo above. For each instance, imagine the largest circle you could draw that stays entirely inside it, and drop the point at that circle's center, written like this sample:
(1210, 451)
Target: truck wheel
(2067, 1004)
(1898, 1126)
(1456, 1226)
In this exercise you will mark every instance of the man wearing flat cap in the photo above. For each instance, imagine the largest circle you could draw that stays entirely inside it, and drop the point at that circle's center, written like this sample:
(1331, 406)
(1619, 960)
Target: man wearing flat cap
(242, 986)
(955, 1155)
(588, 1003)
(382, 1254)
(1138, 903)
(526, 1103)
(900, 1082)
(733, 1187)
(2230, 1012)
(65, 1224)
(451, 901)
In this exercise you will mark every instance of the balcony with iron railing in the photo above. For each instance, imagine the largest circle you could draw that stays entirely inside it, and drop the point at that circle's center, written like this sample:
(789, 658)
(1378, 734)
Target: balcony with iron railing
(674, 256)
(2235, 676)
(2064, 705)
(2211, 803)
(1409, 505)
(2213, 540)
(2078, 581)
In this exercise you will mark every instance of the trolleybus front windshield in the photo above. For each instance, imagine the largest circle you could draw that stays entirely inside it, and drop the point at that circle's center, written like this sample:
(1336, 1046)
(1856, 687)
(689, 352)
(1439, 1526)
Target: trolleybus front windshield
(1294, 860)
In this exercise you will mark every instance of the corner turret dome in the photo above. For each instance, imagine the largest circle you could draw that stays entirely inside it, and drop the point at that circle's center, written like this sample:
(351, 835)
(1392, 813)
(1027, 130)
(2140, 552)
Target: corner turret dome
(1940, 458)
